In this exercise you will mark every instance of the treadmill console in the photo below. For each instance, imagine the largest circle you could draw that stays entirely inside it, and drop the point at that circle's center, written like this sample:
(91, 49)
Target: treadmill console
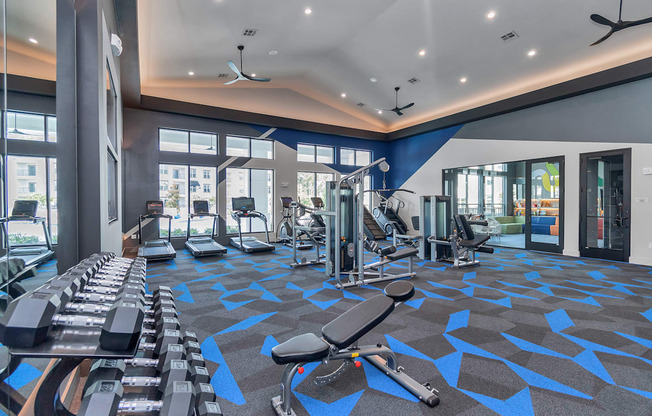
(24, 208)
(200, 207)
(286, 201)
(243, 204)
(154, 207)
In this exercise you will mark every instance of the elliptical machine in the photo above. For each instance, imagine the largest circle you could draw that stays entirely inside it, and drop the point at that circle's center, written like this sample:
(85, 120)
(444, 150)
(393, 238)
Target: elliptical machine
(285, 227)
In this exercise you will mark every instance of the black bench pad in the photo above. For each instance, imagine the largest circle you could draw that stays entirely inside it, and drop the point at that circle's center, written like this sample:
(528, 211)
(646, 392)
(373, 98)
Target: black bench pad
(400, 290)
(300, 349)
(357, 321)
(479, 239)
(403, 253)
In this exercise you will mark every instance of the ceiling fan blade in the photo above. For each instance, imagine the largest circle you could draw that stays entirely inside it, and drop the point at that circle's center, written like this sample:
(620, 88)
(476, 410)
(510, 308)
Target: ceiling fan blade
(234, 68)
(398, 112)
(233, 82)
(250, 78)
(601, 20)
(407, 106)
(605, 37)
(637, 22)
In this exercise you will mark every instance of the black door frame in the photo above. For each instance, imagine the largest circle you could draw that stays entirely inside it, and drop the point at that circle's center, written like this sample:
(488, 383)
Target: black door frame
(603, 253)
(532, 245)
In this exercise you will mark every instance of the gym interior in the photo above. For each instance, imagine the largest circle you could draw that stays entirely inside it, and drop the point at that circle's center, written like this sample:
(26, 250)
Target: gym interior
(221, 207)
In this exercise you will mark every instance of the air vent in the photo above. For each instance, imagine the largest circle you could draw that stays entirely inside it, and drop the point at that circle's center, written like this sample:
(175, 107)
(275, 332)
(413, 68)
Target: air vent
(222, 75)
(360, 104)
(249, 32)
(413, 80)
(509, 36)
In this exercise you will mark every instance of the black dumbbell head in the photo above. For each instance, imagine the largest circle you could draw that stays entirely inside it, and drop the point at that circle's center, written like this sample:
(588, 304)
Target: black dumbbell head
(204, 393)
(179, 400)
(192, 346)
(167, 337)
(172, 352)
(174, 370)
(123, 325)
(167, 323)
(195, 359)
(67, 281)
(28, 319)
(165, 312)
(65, 294)
(190, 336)
(199, 375)
(209, 409)
(101, 399)
(105, 369)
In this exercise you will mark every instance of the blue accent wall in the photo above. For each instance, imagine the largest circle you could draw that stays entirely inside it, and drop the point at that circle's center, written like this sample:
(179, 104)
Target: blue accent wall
(407, 155)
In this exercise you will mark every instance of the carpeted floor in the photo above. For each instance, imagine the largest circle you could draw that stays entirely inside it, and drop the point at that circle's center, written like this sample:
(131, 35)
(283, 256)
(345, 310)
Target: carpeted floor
(525, 333)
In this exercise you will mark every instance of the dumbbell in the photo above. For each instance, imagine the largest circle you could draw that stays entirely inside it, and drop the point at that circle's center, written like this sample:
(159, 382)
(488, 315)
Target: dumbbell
(104, 398)
(29, 319)
(208, 408)
(112, 369)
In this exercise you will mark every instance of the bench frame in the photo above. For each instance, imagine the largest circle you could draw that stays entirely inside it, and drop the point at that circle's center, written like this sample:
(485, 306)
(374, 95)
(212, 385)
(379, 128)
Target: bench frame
(377, 271)
(380, 356)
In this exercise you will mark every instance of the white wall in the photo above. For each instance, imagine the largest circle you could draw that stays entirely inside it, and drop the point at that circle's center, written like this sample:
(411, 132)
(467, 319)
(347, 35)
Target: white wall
(459, 152)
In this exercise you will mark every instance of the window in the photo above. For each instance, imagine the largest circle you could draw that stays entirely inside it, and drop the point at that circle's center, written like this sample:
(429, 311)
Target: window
(112, 185)
(254, 183)
(25, 126)
(34, 185)
(52, 128)
(185, 141)
(313, 153)
(247, 147)
(312, 184)
(207, 174)
(111, 108)
(177, 194)
(353, 157)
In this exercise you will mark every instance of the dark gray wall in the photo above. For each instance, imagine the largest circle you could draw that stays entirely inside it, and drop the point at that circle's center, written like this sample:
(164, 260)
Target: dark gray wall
(618, 114)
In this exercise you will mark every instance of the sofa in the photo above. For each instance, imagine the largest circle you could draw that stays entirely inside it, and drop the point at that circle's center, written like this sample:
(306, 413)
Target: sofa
(511, 224)
(542, 225)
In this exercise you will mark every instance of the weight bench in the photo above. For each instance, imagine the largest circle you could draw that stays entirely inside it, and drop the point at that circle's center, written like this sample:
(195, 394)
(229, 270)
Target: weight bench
(339, 342)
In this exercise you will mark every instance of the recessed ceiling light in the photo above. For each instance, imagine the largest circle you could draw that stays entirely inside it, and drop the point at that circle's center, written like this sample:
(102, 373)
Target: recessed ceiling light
(191, 73)
(253, 75)
(343, 95)
(463, 80)
(491, 14)
(372, 79)
(33, 40)
(422, 52)
(532, 52)
(380, 111)
(273, 53)
(308, 11)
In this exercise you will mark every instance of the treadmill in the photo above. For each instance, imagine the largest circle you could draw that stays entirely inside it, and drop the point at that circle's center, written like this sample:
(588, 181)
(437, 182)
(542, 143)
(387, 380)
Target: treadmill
(34, 254)
(155, 249)
(203, 246)
(245, 207)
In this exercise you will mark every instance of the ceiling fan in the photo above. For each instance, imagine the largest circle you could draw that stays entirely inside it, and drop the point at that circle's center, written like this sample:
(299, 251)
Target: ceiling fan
(618, 26)
(241, 75)
(397, 110)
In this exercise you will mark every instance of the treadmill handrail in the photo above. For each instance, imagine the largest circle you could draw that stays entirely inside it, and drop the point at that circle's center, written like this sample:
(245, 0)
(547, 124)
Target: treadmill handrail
(207, 214)
(238, 215)
(153, 216)
(146, 216)
(35, 220)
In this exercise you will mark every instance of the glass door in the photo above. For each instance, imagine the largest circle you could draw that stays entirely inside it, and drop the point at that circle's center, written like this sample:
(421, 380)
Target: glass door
(544, 205)
(605, 202)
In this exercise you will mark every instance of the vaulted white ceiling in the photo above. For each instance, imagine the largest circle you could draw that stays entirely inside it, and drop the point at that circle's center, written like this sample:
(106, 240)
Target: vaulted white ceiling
(343, 43)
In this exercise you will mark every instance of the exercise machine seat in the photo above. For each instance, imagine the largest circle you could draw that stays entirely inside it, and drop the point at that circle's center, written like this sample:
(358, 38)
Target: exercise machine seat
(357, 321)
(400, 290)
(403, 253)
(477, 240)
(300, 349)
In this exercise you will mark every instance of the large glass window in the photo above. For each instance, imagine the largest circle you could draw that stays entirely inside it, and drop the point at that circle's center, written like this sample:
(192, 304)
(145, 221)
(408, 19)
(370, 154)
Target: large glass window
(173, 192)
(355, 157)
(112, 179)
(28, 126)
(203, 188)
(254, 183)
(27, 178)
(314, 153)
(111, 109)
(184, 141)
(248, 147)
(312, 184)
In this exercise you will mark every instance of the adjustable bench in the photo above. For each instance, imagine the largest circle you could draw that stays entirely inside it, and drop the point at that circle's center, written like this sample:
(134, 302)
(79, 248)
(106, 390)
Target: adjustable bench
(339, 342)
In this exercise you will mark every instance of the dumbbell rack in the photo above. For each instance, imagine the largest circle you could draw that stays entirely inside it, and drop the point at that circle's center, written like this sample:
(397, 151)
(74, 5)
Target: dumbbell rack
(70, 346)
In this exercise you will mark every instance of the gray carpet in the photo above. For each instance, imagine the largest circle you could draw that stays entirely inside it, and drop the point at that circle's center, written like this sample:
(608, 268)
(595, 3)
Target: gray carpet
(525, 333)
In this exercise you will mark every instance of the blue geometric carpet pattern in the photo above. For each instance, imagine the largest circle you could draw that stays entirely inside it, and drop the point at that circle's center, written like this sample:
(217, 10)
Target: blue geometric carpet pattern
(524, 333)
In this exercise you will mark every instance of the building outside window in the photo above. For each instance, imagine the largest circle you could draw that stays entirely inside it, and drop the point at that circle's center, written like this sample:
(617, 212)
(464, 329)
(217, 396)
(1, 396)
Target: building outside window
(255, 183)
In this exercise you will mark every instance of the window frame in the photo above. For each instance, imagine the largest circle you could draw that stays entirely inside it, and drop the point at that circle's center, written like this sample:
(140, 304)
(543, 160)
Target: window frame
(355, 156)
(250, 139)
(315, 147)
(188, 143)
(271, 228)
